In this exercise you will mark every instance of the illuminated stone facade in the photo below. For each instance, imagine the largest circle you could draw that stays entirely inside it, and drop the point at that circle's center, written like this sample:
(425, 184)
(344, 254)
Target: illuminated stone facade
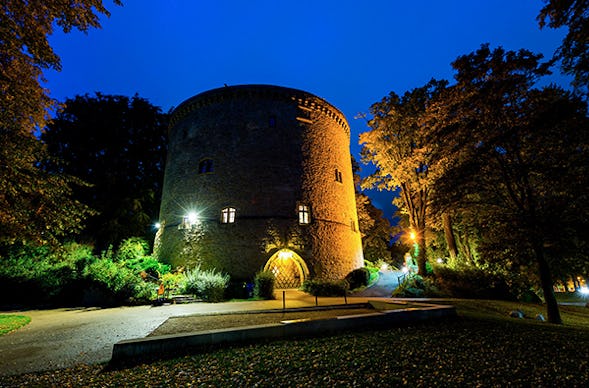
(260, 176)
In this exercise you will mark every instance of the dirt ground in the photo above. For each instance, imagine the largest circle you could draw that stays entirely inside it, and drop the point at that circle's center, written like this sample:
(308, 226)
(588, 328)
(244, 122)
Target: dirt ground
(193, 323)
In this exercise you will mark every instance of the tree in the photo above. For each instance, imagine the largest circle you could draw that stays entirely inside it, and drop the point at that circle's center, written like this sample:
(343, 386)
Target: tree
(513, 155)
(118, 145)
(30, 197)
(396, 146)
(574, 50)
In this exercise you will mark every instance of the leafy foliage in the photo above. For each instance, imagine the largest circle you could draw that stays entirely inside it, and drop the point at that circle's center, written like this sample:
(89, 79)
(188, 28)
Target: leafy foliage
(472, 282)
(320, 287)
(264, 282)
(72, 275)
(118, 145)
(397, 146)
(573, 50)
(209, 285)
(35, 205)
(416, 286)
(513, 157)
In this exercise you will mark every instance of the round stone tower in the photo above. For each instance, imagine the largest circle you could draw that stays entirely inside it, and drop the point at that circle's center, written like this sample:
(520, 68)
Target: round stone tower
(260, 177)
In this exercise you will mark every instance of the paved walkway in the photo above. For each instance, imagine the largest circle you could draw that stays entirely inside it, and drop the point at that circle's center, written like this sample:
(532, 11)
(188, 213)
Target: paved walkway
(387, 282)
(63, 338)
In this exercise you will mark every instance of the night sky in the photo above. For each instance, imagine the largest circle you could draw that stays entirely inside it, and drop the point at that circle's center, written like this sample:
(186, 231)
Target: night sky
(351, 53)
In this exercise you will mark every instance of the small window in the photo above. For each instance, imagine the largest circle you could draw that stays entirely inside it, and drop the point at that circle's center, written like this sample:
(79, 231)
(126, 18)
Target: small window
(353, 225)
(228, 215)
(338, 176)
(304, 214)
(272, 122)
(205, 166)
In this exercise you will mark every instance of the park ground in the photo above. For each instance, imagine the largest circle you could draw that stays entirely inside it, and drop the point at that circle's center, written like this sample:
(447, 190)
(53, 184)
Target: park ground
(482, 347)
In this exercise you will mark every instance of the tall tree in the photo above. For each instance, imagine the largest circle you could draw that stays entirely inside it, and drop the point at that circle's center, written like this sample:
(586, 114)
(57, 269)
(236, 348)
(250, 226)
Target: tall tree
(118, 145)
(396, 146)
(29, 195)
(574, 50)
(509, 154)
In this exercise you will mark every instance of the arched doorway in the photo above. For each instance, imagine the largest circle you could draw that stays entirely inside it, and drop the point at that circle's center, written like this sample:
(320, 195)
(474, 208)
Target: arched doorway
(289, 269)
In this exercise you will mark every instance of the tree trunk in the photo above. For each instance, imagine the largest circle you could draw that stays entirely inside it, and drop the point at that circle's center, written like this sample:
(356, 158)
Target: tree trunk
(449, 234)
(547, 286)
(421, 254)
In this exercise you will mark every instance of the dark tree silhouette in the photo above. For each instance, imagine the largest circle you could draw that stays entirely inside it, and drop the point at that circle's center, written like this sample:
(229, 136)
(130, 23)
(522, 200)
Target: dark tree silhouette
(116, 144)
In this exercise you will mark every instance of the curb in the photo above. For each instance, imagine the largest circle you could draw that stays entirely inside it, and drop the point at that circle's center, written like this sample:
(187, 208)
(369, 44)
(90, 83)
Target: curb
(177, 344)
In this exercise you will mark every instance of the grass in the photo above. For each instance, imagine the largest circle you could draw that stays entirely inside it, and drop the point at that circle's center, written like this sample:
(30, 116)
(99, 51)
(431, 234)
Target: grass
(483, 347)
(9, 322)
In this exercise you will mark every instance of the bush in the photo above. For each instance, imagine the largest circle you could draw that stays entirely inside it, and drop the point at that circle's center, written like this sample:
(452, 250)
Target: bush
(471, 282)
(209, 285)
(110, 283)
(264, 285)
(415, 286)
(358, 278)
(318, 287)
(70, 275)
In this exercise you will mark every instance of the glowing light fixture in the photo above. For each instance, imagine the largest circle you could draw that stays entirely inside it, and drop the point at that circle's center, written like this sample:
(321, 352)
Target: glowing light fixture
(192, 218)
(157, 225)
(584, 290)
(284, 254)
(439, 260)
(404, 269)
(412, 235)
(384, 267)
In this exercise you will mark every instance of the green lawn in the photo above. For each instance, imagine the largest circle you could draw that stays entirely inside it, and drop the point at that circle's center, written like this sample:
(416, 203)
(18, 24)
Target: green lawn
(9, 322)
(483, 347)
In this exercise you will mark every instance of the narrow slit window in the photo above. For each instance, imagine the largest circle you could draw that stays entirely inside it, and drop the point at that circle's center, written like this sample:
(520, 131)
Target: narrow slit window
(228, 215)
(304, 214)
(205, 166)
(338, 176)
(272, 122)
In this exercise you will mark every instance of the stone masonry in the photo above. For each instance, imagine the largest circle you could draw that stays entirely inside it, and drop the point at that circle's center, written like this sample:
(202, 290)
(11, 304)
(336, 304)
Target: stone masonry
(259, 176)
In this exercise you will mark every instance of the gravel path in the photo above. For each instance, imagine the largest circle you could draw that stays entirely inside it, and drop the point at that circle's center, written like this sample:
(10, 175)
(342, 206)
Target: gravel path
(194, 323)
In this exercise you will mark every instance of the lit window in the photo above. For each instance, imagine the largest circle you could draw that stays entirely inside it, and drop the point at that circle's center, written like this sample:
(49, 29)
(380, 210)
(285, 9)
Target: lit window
(338, 176)
(228, 215)
(205, 166)
(304, 215)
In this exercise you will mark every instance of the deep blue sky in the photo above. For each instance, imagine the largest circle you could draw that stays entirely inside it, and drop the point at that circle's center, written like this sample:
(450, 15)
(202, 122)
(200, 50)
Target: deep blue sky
(352, 53)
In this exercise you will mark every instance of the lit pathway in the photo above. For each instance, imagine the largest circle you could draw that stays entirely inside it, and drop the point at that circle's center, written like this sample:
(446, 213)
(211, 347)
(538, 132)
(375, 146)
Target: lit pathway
(62, 338)
(387, 282)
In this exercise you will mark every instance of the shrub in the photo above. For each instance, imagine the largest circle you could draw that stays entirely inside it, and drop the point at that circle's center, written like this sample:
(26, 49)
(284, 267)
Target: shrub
(472, 282)
(319, 287)
(110, 283)
(35, 275)
(264, 285)
(209, 285)
(358, 278)
(132, 248)
(415, 286)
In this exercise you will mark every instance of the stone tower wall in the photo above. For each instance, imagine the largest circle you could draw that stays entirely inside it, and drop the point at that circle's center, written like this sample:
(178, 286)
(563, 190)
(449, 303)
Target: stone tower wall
(271, 148)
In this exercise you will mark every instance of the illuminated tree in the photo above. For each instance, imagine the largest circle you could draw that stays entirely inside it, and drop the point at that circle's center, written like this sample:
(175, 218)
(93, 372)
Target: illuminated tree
(34, 204)
(396, 145)
(514, 156)
(574, 50)
(118, 145)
